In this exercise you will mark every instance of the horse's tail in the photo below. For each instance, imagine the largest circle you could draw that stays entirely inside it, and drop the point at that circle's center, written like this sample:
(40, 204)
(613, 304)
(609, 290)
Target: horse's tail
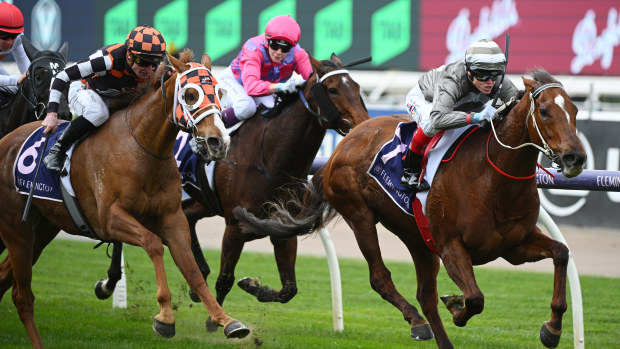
(303, 212)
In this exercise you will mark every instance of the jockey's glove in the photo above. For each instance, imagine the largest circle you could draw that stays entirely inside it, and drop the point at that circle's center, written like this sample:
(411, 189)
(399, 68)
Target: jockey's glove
(485, 116)
(290, 86)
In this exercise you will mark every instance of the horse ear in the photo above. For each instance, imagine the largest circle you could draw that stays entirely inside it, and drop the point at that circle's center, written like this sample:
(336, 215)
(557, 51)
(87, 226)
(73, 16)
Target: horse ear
(206, 61)
(31, 51)
(64, 50)
(316, 64)
(177, 64)
(528, 83)
(335, 59)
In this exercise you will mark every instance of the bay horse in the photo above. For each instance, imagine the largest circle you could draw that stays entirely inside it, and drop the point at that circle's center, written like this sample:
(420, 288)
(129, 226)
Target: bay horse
(268, 156)
(482, 205)
(127, 183)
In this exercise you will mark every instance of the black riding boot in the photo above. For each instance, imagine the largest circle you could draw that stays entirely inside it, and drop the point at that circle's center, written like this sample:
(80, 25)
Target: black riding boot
(412, 166)
(55, 160)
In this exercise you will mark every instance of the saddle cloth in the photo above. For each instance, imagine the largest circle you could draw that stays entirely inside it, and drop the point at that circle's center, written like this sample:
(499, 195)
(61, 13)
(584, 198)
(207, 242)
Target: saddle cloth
(26, 162)
(387, 167)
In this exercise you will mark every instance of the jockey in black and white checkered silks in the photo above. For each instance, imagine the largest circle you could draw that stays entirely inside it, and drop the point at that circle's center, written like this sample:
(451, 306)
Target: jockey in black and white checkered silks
(109, 73)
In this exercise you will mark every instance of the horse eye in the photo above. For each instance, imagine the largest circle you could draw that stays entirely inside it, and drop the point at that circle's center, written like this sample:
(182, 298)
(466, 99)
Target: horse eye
(189, 97)
(332, 90)
(544, 114)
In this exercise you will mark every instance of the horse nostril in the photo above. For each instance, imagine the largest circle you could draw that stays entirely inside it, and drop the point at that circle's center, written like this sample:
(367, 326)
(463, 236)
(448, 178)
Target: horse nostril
(214, 143)
(574, 159)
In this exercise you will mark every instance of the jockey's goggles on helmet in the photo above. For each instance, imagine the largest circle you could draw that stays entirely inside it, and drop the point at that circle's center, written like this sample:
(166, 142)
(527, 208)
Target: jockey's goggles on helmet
(151, 61)
(8, 36)
(276, 44)
(484, 75)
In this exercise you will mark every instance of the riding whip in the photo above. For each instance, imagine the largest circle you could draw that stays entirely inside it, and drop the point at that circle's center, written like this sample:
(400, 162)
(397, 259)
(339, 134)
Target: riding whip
(502, 80)
(34, 181)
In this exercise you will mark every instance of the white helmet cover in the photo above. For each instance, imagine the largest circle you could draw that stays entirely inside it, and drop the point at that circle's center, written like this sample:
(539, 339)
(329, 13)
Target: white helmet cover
(485, 55)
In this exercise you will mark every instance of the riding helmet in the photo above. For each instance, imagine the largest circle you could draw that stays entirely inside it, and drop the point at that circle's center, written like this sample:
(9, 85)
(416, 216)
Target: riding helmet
(146, 40)
(11, 19)
(284, 28)
(485, 55)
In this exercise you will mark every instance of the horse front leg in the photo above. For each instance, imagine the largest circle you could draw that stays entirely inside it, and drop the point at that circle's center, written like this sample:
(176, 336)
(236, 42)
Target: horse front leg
(105, 287)
(285, 251)
(457, 262)
(537, 246)
(176, 233)
(121, 226)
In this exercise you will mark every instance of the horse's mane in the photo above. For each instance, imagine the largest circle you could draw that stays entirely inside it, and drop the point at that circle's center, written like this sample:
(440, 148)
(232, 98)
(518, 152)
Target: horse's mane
(541, 76)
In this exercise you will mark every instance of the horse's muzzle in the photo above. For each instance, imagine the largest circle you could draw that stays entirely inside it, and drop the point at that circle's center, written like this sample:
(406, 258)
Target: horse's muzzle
(572, 163)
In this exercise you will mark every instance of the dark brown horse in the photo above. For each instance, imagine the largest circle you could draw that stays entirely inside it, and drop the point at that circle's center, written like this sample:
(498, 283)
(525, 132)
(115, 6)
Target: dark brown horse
(476, 213)
(268, 156)
(33, 92)
(127, 183)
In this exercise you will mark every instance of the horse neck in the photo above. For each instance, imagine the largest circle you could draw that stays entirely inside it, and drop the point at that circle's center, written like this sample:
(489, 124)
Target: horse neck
(18, 113)
(296, 140)
(148, 121)
(514, 131)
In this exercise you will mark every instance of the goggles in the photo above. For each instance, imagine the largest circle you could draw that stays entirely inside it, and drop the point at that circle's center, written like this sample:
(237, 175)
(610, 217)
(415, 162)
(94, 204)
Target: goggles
(141, 61)
(275, 45)
(484, 75)
(8, 36)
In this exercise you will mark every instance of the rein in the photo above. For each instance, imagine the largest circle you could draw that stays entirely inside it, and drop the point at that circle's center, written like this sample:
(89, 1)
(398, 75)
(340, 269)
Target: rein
(545, 149)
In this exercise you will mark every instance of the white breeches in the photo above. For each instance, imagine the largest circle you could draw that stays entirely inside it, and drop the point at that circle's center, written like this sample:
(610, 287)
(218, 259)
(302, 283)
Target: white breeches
(420, 110)
(88, 103)
(236, 97)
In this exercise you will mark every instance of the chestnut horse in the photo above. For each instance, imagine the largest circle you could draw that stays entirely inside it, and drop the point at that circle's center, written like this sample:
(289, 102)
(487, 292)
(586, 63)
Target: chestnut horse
(268, 156)
(127, 183)
(482, 205)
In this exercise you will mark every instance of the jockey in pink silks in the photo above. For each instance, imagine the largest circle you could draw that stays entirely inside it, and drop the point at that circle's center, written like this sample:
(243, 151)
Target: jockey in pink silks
(264, 67)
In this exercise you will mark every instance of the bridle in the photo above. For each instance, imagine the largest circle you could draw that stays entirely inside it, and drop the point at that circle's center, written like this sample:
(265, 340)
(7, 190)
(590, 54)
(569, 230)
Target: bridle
(188, 111)
(56, 63)
(545, 149)
(334, 118)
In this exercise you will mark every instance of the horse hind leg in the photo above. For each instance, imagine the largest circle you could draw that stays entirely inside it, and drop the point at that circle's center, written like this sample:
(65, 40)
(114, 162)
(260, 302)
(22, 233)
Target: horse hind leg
(198, 257)
(285, 251)
(459, 268)
(105, 287)
(365, 231)
(537, 246)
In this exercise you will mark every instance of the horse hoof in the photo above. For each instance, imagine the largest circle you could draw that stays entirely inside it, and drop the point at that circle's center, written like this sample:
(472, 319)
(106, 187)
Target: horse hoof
(194, 296)
(163, 329)
(249, 285)
(101, 291)
(547, 338)
(453, 302)
(236, 329)
(211, 326)
(422, 332)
